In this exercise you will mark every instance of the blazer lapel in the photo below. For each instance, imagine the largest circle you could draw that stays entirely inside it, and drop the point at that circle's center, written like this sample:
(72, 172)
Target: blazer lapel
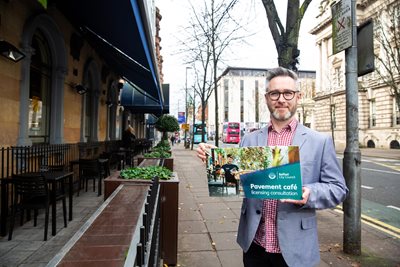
(299, 136)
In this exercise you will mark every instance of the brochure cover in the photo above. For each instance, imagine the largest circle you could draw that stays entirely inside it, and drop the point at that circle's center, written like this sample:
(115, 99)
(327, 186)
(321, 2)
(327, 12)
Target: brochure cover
(269, 172)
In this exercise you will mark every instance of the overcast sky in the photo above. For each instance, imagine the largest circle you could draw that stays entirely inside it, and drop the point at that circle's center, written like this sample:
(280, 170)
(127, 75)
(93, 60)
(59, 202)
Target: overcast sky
(260, 51)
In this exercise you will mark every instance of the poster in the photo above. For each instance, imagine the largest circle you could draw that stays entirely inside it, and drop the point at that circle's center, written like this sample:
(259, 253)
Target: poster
(268, 172)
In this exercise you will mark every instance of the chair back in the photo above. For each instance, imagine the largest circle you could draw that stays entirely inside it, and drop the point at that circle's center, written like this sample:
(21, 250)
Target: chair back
(29, 187)
(55, 168)
(89, 167)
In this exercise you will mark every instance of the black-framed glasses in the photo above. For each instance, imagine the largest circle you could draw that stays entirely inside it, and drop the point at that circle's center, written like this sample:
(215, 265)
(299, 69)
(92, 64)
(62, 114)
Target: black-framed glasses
(287, 95)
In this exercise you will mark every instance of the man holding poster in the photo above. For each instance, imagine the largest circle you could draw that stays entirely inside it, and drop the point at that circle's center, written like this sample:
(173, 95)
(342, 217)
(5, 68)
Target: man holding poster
(284, 232)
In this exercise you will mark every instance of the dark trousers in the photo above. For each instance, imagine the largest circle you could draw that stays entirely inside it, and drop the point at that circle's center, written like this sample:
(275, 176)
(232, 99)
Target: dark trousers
(256, 256)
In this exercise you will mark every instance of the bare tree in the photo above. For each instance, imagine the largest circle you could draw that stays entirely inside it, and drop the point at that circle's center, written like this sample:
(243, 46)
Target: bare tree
(286, 38)
(387, 34)
(212, 30)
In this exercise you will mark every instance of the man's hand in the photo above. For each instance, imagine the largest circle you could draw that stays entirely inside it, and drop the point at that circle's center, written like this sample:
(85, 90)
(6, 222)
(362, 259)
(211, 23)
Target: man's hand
(203, 150)
(306, 194)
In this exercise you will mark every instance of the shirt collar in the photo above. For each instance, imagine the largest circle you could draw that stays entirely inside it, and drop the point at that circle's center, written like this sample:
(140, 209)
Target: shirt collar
(291, 127)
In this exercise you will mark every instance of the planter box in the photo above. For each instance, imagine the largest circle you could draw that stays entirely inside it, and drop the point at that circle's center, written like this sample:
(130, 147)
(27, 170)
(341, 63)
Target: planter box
(169, 193)
(168, 162)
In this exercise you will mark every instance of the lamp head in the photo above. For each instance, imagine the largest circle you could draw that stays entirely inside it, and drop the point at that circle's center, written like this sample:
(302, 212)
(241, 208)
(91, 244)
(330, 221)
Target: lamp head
(10, 52)
(80, 89)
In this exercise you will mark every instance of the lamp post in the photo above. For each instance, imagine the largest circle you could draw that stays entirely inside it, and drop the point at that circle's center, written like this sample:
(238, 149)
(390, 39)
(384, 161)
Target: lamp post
(186, 105)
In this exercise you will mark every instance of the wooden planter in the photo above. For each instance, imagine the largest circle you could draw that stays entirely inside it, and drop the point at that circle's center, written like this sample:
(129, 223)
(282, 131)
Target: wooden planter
(168, 162)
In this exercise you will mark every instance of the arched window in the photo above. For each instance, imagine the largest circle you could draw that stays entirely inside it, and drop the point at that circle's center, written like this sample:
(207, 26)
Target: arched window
(394, 144)
(42, 84)
(370, 144)
(39, 90)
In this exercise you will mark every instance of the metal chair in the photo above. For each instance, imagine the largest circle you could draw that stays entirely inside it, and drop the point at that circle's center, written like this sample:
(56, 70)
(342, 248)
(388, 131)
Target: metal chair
(90, 169)
(30, 192)
(59, 190)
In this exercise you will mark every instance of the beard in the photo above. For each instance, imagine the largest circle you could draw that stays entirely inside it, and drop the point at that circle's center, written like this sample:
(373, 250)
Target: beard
(279, 117)
(282, 117)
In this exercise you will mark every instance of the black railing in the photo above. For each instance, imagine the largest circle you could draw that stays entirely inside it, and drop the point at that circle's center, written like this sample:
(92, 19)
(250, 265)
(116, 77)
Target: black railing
(147, 251)
(22, 159)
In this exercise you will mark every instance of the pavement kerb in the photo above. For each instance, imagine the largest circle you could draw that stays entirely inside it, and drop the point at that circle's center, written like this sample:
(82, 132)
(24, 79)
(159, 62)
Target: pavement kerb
(389, 229)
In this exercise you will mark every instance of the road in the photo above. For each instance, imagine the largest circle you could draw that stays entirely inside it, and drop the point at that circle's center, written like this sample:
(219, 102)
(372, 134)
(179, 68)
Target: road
(380, 180)
(380, 183)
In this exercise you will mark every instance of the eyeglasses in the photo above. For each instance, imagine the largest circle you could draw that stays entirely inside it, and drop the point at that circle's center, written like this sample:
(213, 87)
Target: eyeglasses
(287, 95)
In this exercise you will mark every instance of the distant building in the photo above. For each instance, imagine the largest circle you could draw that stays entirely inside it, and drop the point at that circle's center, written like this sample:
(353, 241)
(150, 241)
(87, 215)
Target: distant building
(379, 116)
(241, 98)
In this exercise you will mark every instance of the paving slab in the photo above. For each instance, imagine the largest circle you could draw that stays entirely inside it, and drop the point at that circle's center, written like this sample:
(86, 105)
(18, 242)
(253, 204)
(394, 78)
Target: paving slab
(199, 259)
(222, 225)
(229, 258)
(225, 240)
(194, 242)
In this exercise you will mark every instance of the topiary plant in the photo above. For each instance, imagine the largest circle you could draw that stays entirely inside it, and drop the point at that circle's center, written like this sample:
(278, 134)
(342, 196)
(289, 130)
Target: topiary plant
(166, 123)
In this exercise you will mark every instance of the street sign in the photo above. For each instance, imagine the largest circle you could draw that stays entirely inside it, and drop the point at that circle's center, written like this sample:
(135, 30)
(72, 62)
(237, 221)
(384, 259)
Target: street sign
(185, 126)
(341, 26)
(181, 117)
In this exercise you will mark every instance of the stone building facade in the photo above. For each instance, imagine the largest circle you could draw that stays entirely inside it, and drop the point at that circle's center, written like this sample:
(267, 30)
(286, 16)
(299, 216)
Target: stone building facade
(39, 94)
(379, 117)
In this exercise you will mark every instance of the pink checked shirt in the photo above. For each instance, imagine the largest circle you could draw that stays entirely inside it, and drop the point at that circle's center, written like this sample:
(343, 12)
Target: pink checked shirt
(266, 235)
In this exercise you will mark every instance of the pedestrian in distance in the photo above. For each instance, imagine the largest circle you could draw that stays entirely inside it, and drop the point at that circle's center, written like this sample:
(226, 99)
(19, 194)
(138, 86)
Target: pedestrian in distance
(172, 140)
(128, 137)
(284, 232)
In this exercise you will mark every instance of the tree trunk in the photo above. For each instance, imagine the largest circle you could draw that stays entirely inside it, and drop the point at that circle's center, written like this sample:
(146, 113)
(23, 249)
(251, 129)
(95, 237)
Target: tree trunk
(286, 39)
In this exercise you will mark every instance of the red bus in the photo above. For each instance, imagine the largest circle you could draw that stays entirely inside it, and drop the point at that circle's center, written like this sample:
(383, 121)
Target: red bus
(231, 132)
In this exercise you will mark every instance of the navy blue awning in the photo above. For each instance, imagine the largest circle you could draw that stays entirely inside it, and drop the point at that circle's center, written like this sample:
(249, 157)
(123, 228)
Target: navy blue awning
(120, 31)
(138, 102)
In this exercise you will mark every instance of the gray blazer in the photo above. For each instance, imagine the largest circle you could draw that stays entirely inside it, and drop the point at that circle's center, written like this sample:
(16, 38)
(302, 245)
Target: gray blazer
(297, 225)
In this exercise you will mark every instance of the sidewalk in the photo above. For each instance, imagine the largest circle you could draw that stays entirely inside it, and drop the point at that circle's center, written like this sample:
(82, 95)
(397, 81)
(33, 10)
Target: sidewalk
(377, 153)
(208, 225)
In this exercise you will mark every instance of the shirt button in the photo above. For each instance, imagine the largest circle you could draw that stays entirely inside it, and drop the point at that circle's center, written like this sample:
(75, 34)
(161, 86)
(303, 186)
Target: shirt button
(258, 211)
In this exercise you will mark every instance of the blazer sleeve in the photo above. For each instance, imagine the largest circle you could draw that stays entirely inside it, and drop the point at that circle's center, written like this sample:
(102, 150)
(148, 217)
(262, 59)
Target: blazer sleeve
(324, 177)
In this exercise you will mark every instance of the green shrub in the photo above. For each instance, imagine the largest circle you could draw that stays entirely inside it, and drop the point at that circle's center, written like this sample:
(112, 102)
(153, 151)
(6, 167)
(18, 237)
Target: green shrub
(146, 173)
(157, 154)
(162, 145)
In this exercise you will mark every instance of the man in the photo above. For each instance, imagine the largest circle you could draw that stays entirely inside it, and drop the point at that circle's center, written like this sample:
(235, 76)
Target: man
(229, 171)
(284, 233)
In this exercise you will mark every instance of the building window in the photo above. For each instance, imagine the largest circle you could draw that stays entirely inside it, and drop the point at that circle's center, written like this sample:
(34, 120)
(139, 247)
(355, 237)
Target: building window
(257, 102)
(372, 113)
(394, 144)
(241, 100)
(39, 91)
(370, 144)
(337, 78)
(333, 116)
(226, 100)
(396, 114)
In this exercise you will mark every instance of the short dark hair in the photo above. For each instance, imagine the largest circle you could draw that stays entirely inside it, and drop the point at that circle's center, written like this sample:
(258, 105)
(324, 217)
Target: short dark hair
(280, 71)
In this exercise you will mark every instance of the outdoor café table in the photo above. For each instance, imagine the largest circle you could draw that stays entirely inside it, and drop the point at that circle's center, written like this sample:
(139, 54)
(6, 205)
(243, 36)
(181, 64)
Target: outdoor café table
(52, 178)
